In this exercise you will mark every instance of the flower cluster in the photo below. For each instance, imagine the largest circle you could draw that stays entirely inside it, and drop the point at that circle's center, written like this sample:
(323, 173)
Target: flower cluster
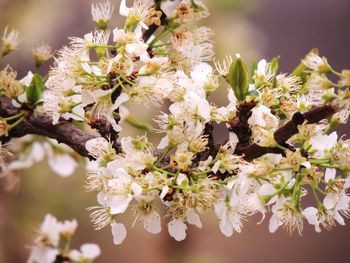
(52, 244)
(281, 146)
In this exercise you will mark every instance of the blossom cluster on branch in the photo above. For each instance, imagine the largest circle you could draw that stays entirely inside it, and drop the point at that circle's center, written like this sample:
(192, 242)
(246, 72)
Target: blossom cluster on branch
(53, 244)
(281, 145)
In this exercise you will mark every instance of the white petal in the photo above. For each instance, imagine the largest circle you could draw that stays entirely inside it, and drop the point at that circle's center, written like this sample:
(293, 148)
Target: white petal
(273, 225)
(177, 229)
(119, 203)
(307, 165)
(123, 9)
(90, 251)
(27, 79)
(74, 255)
(226, 227)
(94, 145)
(120, 100)
(86, 67)
(152, 223)
(68, 83)
(169, 7)
(220, 209)
(233, 140)
(330, 200)
(201, 72)
(231, 183)
(118, 35)
(122, 176)
(118, 232)
(310, 214)
(38, 152)
(22, 98)
(182, 179)
(164, 142)
(16, 104)
(193, 218)
(330, 174)
(164, 191)
(333, 137)
(102, 198)
(339, 218)
(41, 254)
(63, 164)
(261, 69)
(266, 189)
(136, 189)
(258, 115)
(123, 113)
(216, 166)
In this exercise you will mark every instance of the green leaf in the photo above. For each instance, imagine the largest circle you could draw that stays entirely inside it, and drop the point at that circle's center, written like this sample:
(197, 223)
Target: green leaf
(238, 78)
(253, 93)
(299, 71)
(275, 63)
(35, 90)
(253, 68)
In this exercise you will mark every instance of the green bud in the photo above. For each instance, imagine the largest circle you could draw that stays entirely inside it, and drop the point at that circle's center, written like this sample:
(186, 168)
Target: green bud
(275, 64)
(35, 90)
(238, 78)
(253, 68)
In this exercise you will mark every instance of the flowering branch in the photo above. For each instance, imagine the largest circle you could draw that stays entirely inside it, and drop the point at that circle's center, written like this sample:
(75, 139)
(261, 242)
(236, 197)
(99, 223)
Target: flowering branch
(280, 125)
(284, 133)
(41, 124)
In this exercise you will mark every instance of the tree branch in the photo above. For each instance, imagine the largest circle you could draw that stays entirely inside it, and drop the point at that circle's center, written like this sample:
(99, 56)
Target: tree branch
(64, 132)
(315, 115)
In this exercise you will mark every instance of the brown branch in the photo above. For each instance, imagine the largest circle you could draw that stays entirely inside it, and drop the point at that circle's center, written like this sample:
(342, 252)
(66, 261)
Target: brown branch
(64, 132)
(315, 115)
(211, 147)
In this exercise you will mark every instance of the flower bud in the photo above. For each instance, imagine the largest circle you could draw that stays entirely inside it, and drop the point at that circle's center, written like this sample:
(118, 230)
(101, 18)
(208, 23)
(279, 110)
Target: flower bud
(42, 53)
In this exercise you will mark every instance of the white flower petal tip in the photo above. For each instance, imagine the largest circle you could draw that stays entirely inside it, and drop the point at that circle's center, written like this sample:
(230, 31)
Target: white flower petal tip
(118, 232)
(152, 223)
(177, 229)
(90, 251)
(193, 218)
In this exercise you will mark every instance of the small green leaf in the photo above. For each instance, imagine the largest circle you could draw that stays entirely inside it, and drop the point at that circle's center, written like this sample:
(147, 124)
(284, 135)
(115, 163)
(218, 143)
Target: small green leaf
(299, 70)
(253, 93)
(35, 90)
(238, 78)
(253, 68)
(275, 64)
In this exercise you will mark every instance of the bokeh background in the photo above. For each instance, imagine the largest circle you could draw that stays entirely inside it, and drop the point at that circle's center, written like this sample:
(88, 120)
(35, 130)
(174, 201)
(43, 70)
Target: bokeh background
(256, 29)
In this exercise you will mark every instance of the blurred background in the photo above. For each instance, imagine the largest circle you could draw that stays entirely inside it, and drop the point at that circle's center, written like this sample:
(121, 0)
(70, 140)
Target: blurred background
(254, 28)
